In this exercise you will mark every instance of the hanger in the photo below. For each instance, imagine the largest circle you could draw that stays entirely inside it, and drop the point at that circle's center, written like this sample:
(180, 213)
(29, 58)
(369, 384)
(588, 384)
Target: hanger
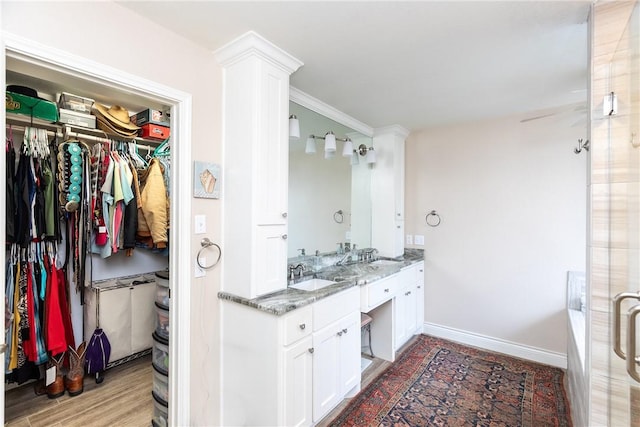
(162, 149)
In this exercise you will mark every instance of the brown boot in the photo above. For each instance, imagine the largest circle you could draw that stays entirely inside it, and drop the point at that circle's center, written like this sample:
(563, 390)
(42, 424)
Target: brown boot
(74, 381)
(56, 388)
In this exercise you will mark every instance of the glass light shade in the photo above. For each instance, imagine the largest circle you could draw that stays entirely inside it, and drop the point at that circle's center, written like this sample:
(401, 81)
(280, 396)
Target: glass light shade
(310, 148)
(347, 150)
(294, 127)
(329, 154)
(330, 142)
(354, 158)
(371, 156)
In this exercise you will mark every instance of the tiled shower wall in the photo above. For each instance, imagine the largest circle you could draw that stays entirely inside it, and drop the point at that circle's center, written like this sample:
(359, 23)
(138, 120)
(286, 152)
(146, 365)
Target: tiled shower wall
(614, 185)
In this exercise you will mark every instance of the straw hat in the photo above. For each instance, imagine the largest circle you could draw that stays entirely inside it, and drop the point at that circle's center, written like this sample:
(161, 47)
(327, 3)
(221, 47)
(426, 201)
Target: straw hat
(110, 129)
(116, 115)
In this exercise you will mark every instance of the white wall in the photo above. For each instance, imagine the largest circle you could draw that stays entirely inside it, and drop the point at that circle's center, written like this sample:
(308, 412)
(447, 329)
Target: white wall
(512, 198)
(105, 32)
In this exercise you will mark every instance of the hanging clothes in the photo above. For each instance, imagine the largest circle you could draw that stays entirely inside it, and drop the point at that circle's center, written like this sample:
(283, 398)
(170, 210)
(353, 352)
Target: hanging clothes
(153, 217)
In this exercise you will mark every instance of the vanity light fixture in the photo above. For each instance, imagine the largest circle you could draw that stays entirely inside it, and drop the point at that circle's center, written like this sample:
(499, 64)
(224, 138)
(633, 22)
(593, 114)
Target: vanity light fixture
(329, 145)
(368, 152)
(294, 127)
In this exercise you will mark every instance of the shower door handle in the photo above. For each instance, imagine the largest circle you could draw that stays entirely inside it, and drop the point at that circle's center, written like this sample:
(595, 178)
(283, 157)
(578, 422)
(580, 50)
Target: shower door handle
(617, 301)
(632, 359)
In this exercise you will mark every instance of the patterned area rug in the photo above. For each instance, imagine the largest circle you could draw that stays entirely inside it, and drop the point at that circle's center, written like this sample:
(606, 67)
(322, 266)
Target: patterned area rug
(436, 382)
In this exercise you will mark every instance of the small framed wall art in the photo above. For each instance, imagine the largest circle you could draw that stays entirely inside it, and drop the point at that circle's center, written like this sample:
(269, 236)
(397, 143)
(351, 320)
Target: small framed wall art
(206, 180)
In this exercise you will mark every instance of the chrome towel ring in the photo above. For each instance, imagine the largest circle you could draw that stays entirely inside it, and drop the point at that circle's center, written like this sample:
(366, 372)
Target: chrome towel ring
(206, 243)
(338, 216)
(432, 219)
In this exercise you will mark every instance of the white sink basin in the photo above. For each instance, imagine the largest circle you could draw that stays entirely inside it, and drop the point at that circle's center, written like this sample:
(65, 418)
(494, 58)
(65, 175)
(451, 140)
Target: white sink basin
(312, 284)
(384, 262)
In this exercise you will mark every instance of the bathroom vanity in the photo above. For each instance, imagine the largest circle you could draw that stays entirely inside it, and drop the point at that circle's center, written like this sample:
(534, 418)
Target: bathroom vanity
(291, 356)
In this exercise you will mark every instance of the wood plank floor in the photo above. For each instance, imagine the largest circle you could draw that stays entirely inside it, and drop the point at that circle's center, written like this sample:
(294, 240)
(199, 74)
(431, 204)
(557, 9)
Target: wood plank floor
(122, 399)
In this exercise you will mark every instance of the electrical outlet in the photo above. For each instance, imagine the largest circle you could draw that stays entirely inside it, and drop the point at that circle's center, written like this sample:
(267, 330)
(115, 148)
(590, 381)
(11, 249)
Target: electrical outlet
(419, 239)
(409, 239)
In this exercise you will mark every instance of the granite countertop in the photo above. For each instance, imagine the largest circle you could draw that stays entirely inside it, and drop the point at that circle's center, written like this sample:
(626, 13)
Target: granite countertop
(345, 276)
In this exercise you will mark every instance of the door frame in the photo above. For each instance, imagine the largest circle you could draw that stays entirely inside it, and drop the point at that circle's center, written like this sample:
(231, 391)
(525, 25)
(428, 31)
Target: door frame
(179, 248)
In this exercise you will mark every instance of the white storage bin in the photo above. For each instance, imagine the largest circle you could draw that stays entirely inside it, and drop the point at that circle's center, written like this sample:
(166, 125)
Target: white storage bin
(161, 385)
(160, 413)
(160, 353)
(162, 321)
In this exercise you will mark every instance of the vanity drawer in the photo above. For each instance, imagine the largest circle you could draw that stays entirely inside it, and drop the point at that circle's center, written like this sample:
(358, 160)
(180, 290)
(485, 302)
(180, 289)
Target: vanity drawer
(335, 307)
(297, 324)
(378, 292)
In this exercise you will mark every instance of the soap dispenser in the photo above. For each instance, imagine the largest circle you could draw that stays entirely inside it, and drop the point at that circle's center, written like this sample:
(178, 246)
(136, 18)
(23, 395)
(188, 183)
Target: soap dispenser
(340, 250)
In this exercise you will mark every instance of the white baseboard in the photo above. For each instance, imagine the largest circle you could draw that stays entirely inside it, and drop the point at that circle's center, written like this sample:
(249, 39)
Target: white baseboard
(558, 360)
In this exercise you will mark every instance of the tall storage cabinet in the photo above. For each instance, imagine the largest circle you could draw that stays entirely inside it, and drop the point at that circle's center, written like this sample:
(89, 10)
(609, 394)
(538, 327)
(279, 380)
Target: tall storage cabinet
(256, 149)
(387, 178)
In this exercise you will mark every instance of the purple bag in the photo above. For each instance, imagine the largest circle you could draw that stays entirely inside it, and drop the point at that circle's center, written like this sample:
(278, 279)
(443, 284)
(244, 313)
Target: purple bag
(98, 352)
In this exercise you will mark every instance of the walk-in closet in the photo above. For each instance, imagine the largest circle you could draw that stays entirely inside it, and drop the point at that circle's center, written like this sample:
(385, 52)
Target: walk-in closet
(87, 283)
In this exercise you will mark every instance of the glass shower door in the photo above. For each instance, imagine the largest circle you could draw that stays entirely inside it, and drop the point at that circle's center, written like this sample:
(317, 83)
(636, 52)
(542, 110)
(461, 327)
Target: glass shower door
(623, 105)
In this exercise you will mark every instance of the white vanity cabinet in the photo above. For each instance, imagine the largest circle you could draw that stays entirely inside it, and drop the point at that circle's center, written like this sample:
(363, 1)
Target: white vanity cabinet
(336, 350)
(409, 304)
(289, 370)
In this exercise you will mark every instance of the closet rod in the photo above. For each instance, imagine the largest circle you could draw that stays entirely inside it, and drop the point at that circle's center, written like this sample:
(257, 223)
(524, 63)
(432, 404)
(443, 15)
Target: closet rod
(66, 131)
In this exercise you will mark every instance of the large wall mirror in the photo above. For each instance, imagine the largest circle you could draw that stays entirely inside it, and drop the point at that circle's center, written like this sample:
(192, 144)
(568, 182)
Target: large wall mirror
(329, 199)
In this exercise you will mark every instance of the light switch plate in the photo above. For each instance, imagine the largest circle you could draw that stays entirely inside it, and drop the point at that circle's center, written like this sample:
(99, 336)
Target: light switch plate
(419, 239)
(200, 226)
(409, 239)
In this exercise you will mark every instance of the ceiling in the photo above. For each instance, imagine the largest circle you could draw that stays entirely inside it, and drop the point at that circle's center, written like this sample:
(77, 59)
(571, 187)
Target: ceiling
(417, 64)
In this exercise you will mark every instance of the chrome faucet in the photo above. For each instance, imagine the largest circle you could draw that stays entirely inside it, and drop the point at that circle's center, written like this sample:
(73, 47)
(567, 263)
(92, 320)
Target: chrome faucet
(346, 257)
(292, 270)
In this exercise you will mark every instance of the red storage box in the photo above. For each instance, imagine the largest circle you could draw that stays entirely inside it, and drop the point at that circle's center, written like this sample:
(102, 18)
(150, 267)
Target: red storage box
(154, 131)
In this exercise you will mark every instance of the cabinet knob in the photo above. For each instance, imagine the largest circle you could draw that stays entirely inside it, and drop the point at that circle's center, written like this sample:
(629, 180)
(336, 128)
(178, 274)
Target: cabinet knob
(302, 326)
(419, 287)
(339, 334)
(284, 237)
(386, 290)
(311, 350)
(284, 214)
(398, 226)
(421, 271)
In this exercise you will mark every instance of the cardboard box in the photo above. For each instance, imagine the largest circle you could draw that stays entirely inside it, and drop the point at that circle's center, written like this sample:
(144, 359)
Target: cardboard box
(32, 107)
(153, 131)
(151, 116)
(77, 103)
(77, 119)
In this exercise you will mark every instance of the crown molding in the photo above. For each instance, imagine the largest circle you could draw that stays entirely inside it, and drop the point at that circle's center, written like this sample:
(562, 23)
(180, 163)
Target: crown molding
(253, 44)
(314, 104)
(396, 130)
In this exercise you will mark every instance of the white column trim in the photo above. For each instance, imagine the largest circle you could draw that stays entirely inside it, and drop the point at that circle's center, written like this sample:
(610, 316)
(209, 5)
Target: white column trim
(180, 248)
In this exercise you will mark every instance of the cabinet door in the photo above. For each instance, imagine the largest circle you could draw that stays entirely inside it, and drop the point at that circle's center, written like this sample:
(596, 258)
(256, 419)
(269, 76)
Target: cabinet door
(350, 353)
(143, 316)
(420, 298)
(298, 362)
(326, 377)
(271, 259)
(400, 318)
(410, 312)
(272, 150)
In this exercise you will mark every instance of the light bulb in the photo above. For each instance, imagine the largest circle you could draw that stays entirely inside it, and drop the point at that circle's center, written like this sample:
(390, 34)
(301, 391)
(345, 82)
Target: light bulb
(330, 142)
(310, 148)
(371, 156)
(294, 127)
(347, 150)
